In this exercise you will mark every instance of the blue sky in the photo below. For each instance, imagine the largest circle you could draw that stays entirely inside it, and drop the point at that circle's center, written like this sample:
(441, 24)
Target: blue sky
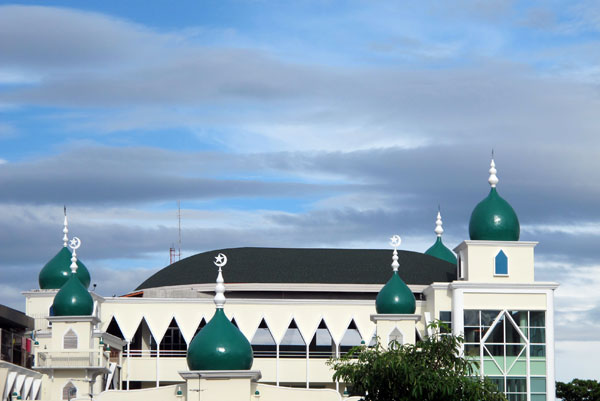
(309, 124)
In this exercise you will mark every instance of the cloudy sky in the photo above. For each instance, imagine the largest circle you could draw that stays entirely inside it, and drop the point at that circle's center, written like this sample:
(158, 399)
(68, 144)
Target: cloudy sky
(310, 124)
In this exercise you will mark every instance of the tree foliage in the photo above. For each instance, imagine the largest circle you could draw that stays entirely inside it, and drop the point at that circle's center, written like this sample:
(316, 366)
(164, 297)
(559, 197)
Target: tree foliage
(578, 390)
(428, 370)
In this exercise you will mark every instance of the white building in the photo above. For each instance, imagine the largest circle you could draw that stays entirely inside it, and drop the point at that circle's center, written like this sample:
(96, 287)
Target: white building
(298, 307)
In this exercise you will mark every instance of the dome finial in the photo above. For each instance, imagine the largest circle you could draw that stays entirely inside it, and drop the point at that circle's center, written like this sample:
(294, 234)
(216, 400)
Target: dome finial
(493, 180)
(220, 261)
(74, 244)
(395, 242)
(439, 230)
(65, 229)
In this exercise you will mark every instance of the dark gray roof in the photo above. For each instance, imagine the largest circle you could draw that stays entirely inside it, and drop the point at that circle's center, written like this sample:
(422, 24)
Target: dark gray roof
(304, 265)
(13, 319)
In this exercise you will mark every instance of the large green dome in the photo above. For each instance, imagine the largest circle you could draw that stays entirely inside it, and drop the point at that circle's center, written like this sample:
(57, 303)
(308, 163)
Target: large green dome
(56, 272)
(440, 251)
(395, 297)
(219, 346)
(494, 219)
(73, 299)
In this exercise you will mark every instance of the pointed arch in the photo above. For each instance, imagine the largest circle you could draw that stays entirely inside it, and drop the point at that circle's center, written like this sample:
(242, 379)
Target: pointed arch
(69, 391)
(114, 329)
(142, 340)
(234, 322)
(263, 342)
(292, 344)
(395, 336)
(70, 340)
(173, 344)
(200, 326)
(322, 344)
(351, 338)
(501, 264)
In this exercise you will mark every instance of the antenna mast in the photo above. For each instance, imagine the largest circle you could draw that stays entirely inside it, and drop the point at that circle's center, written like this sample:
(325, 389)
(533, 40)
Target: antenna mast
(179, 223)
(172, 253)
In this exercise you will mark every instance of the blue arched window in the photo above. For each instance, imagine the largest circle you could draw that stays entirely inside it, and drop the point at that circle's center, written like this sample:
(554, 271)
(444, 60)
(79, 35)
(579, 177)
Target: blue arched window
(501, 265)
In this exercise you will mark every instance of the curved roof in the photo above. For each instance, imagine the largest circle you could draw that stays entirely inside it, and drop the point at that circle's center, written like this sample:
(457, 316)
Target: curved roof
(304, 265)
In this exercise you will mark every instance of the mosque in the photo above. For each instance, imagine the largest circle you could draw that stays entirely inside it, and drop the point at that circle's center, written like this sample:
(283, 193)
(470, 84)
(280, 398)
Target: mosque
(276, 315)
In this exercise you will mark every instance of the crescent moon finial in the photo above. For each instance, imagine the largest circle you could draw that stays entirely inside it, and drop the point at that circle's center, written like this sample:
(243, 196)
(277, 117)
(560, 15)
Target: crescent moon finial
(74, 244)
(395, 242)
(220, 261)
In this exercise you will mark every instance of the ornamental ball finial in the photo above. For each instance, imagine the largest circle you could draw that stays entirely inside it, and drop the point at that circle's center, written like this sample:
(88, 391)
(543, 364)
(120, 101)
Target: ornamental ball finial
(220, 261)
(395, 242)
(439, 230)
(493, 180)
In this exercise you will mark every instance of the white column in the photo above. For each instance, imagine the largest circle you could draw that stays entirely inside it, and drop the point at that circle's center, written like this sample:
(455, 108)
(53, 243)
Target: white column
(458, 313)
(128, 361)
(337, 355)
(550, 371)
(307, 368)
(157, 364)
(277, 364)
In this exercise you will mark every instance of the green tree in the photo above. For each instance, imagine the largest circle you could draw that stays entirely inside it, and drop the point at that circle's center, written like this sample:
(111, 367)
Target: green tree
(578, 390)
(428, 370)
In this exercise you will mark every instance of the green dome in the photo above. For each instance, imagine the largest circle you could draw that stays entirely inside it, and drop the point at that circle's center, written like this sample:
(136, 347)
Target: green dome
(440, 251)
(73, 299)
(493, 219)
(219, 346)
(395, 297)
(56, 272)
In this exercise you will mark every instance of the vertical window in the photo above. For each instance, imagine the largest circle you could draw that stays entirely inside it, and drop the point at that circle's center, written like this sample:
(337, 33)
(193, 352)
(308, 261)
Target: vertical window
(69, 391)
(501, 264)
(263, 343)
(446, 320)
(395, 336)
(70, 340)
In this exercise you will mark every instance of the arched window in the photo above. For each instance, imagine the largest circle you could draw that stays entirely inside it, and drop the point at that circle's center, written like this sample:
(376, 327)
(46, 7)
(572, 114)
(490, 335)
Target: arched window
(173, 343)
(293, 344)
(70, 340)
(351, 338)
(69, 391)
(395, 336)
(263, 343)
(501, 264)
(322, 345)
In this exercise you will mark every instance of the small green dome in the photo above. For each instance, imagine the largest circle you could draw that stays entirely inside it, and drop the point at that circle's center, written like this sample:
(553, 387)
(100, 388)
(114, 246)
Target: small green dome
(73, 299)
(395, 297)
(440, 251)
(494, 219)
(56, 272)
(219, 346)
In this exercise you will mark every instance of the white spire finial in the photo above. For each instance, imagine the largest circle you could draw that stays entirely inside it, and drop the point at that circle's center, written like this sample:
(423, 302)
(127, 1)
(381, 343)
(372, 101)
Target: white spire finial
(65, 230)
(220, 261)
(395, 242)
(74, 244)
(438, 225)
(493, 180)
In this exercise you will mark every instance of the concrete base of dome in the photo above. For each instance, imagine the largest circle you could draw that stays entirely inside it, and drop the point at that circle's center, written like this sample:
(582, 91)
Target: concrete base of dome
(218, 385)
(396, 327)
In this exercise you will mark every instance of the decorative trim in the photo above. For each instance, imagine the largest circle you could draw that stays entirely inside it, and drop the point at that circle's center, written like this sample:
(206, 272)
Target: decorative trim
(242, 301)
(395, 317)
(521, 287)
(112, 339)
(303, 287)
(74, 319)
(508, 244)
(253, 375)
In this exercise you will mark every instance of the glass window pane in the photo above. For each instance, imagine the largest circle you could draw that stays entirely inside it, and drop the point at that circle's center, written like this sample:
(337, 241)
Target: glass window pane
(517, 397)
(538, 397)
(497, 334)
(445, 316)
(488, 316)
(537, 319)
(538, 350)
(516, 385)
(538, 335)
(472, 335)
(498, 381)
(471, 349)
(472, 318)
(538, 384)
(512, 334)
(514, 350)
(520, 317)
(495, 350)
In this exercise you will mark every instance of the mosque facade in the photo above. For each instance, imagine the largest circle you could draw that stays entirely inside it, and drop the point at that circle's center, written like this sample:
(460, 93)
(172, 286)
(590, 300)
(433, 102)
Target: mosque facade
(287, 311)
